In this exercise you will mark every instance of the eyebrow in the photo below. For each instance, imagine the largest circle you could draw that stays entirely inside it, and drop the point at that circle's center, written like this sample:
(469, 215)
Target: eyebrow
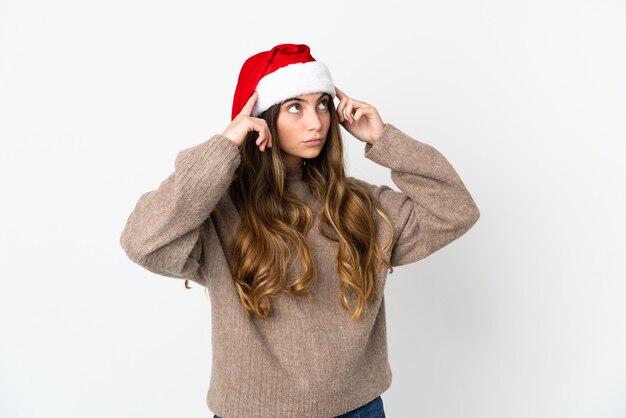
(297, 99)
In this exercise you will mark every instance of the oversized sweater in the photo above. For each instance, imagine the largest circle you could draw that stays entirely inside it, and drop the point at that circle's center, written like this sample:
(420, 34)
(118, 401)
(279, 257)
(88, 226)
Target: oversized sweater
(308, 358)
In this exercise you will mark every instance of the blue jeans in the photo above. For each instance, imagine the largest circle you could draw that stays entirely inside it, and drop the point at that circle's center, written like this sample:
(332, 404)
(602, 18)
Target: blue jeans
(372, 409)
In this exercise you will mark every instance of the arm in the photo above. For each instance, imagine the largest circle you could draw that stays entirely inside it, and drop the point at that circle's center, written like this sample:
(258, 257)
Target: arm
(433, 208)
(164, 231)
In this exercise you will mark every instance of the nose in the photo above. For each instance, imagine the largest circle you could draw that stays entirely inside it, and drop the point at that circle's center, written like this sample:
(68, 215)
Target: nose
(312, 120)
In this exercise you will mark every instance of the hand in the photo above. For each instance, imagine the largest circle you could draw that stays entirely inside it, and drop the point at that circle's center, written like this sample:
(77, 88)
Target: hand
(244, 123)
(359, 118)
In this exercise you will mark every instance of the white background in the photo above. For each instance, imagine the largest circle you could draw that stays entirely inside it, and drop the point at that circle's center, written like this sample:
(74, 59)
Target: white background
(524, 316)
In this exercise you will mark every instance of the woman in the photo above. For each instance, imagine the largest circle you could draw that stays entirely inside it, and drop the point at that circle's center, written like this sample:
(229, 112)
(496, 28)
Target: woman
(265, 208)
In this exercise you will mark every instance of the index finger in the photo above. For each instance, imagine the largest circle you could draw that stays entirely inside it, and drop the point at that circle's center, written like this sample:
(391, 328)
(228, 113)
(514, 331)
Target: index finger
(340, 94)
(247, 108)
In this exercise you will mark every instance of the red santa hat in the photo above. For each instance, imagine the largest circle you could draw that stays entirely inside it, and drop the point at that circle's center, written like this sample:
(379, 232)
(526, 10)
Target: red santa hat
(285, 71)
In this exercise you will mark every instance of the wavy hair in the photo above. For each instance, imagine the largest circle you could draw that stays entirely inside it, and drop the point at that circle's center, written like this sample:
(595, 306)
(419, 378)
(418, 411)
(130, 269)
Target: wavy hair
(274, 224)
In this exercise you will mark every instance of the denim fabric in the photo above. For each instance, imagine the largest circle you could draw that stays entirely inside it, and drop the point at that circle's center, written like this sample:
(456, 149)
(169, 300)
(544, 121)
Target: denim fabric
(372, 409)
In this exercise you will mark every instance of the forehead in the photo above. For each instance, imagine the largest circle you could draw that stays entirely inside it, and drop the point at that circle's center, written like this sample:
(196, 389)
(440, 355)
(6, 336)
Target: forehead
(312, 97)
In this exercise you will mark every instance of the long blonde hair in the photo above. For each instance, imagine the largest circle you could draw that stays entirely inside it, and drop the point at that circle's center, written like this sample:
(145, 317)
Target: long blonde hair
(274, 223)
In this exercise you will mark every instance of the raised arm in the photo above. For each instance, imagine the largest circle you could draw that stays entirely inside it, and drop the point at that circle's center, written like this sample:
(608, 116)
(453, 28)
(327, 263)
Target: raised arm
(164, 231)
(433, 207)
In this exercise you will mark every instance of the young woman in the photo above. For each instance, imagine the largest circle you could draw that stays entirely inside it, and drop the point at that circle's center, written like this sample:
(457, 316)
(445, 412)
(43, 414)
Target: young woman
(294, 253)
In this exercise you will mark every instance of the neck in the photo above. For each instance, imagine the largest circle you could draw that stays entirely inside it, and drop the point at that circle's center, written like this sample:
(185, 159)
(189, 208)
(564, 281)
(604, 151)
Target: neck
(292, 165)
(293, 173)
(292, 161)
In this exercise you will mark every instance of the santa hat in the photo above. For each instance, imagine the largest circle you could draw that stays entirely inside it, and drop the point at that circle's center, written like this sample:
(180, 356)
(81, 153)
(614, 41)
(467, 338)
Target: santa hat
(285, 71)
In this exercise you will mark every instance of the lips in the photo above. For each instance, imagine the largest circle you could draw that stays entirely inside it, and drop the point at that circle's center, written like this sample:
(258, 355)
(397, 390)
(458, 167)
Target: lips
(313, 142)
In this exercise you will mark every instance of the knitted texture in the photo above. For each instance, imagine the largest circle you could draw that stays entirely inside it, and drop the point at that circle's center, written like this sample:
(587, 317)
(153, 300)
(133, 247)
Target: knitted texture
(308, 358)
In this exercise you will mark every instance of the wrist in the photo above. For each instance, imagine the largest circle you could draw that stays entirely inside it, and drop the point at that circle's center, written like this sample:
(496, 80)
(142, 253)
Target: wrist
(377, 135)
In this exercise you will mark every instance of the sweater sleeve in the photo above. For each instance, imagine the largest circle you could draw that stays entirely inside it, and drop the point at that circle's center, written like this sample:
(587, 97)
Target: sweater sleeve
(433, 208)
(164, 232)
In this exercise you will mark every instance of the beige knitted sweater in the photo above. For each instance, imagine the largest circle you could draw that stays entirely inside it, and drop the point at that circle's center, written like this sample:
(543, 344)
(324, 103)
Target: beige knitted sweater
(308, 359)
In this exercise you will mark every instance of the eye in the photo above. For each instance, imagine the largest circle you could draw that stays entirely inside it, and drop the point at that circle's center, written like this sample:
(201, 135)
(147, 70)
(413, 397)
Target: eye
(323, 106)
(291, 106)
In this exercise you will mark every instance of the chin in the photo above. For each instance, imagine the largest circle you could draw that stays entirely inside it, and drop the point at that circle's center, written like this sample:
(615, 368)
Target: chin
(312, 154)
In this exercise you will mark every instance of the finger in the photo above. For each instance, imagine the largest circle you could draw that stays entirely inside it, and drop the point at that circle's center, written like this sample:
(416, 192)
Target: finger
(259, 141)
(347, 111)
(358, 114)
(343, 100)
(267, 140)
(341, 109)
(265, 137)
(267, 134)
(340, 94)
(257, 125)
(247, 108)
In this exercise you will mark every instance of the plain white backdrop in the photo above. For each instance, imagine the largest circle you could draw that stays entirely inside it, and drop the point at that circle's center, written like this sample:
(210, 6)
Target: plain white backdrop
(524, 316)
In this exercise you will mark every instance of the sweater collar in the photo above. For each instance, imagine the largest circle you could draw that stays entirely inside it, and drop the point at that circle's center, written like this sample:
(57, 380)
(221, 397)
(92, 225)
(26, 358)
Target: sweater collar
(293, 173)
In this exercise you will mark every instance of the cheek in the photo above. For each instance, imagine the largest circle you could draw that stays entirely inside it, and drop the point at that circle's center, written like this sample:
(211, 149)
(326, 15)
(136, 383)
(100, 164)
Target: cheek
(285, 136)
(287, 133)
(282, 131)
(326, 122)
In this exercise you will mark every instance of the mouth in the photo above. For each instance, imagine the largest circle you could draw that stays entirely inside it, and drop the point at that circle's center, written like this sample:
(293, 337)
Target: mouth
(313, 142)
